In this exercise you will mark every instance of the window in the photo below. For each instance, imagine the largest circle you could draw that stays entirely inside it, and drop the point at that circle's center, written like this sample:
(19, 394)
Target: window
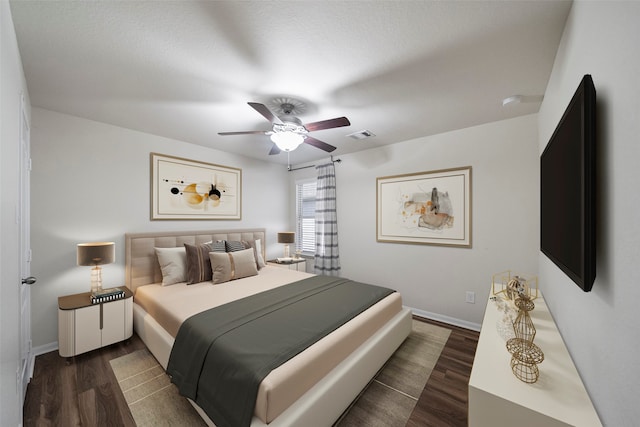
(306, 216)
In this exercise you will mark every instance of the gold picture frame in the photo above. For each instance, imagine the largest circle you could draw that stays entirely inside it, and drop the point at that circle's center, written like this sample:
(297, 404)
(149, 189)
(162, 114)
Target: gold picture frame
(429, 208)
(183, 189)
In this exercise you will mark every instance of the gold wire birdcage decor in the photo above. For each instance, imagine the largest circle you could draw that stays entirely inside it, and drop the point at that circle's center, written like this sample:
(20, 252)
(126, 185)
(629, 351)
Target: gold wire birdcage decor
(508, 285)
(525, 355)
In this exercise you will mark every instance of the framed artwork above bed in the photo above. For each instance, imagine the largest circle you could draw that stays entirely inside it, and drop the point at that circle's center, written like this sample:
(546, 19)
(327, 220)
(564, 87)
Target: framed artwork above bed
(431, 208)
(191, 189)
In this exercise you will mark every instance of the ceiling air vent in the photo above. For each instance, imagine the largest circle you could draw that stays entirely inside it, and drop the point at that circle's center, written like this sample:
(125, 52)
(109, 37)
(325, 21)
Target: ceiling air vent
(362, 134)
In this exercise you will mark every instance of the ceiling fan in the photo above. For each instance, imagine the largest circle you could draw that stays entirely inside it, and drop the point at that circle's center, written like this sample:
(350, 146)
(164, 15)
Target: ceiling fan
(288, 132)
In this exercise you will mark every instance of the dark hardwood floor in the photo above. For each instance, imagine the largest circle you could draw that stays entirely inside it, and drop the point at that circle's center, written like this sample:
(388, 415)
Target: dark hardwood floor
(78, 392)
(84, 392)
(444, 399)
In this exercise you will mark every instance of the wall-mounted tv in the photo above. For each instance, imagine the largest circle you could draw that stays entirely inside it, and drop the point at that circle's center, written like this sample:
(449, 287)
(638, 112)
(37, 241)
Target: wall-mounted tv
(567, 189)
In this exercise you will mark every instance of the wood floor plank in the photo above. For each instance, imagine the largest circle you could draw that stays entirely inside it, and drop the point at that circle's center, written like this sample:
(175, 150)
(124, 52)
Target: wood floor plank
(84, 391)
(67, 398)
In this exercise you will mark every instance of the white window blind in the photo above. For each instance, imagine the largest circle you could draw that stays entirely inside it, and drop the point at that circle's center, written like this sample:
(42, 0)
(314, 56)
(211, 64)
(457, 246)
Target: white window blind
(306, 216)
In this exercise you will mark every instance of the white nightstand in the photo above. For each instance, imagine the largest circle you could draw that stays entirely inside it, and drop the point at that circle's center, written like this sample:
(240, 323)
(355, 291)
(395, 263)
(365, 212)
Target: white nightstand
(295, 264)
(83, 326)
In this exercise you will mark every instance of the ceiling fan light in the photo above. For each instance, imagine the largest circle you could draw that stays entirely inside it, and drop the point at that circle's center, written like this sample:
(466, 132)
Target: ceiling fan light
(287, 141)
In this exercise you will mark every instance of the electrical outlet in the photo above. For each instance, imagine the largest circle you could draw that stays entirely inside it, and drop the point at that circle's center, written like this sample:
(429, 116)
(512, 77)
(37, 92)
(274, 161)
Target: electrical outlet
(470, 297)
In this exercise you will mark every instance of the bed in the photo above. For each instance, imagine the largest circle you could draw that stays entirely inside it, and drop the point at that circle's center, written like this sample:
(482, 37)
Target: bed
(313, 388)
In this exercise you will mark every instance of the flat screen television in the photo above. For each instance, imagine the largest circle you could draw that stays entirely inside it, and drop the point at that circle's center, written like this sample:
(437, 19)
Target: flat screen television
(567, 189)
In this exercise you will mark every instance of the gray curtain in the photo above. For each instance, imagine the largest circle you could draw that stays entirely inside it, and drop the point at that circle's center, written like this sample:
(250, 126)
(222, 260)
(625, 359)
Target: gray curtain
(327, 260)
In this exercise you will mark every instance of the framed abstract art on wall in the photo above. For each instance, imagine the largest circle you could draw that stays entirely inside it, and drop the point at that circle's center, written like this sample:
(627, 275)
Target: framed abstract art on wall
(431, 208)
(191, 189)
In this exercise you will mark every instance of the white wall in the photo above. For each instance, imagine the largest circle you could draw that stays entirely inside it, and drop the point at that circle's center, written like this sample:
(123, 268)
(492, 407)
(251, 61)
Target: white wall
(434, 279)
(601, 328)
(12, 86)
(91, 182)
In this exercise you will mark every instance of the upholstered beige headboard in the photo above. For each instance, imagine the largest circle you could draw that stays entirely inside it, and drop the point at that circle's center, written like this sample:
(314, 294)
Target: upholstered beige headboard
(141, 263)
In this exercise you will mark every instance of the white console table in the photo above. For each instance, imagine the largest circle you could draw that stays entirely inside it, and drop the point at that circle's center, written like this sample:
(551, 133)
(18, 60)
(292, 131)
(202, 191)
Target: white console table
(497, 398)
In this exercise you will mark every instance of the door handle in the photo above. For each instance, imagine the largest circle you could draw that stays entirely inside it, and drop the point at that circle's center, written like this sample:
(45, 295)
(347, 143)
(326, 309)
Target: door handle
(29, 280)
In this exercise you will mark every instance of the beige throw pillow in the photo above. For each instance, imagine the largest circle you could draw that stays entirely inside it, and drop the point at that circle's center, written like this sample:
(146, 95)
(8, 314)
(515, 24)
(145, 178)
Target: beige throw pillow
(232, 265)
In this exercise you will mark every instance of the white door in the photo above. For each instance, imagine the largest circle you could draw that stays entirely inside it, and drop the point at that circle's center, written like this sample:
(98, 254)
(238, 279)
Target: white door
(24, 219)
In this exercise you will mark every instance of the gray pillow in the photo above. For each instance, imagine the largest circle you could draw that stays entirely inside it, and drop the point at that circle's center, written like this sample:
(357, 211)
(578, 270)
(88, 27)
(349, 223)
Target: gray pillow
(232, 265)
(198, 263)
(234, 245)
(217, 246)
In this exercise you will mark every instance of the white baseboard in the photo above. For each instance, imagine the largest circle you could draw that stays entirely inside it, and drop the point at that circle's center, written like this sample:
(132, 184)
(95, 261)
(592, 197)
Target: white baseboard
(446, 319)
(42, 349)
(37, 351)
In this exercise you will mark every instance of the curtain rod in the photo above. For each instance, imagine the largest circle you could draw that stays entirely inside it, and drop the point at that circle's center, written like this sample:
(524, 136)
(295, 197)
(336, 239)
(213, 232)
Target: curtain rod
(290, 169)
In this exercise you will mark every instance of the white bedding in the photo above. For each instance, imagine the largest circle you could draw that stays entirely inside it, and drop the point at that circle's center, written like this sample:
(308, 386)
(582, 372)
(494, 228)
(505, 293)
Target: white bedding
(172, 305)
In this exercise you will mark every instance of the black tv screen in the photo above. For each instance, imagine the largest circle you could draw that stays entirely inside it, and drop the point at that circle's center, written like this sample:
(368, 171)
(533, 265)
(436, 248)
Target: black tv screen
(567, 189)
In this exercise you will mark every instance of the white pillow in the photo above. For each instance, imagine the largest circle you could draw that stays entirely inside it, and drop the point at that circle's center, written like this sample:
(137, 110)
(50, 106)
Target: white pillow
(257, 251)
(173, 263)
(258, 254)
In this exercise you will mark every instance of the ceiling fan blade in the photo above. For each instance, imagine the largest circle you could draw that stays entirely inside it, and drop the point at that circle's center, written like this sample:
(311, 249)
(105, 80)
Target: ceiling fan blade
(248, 132)
(274, 150)
(328, 124)
(319, 144)
(266, 113)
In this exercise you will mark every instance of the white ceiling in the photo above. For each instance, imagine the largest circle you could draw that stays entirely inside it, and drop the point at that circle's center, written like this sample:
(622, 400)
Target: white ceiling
(186, 69)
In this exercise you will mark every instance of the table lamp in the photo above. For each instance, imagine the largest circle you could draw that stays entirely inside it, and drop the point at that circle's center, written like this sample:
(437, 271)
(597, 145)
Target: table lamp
(286, 237)
(96, 254)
